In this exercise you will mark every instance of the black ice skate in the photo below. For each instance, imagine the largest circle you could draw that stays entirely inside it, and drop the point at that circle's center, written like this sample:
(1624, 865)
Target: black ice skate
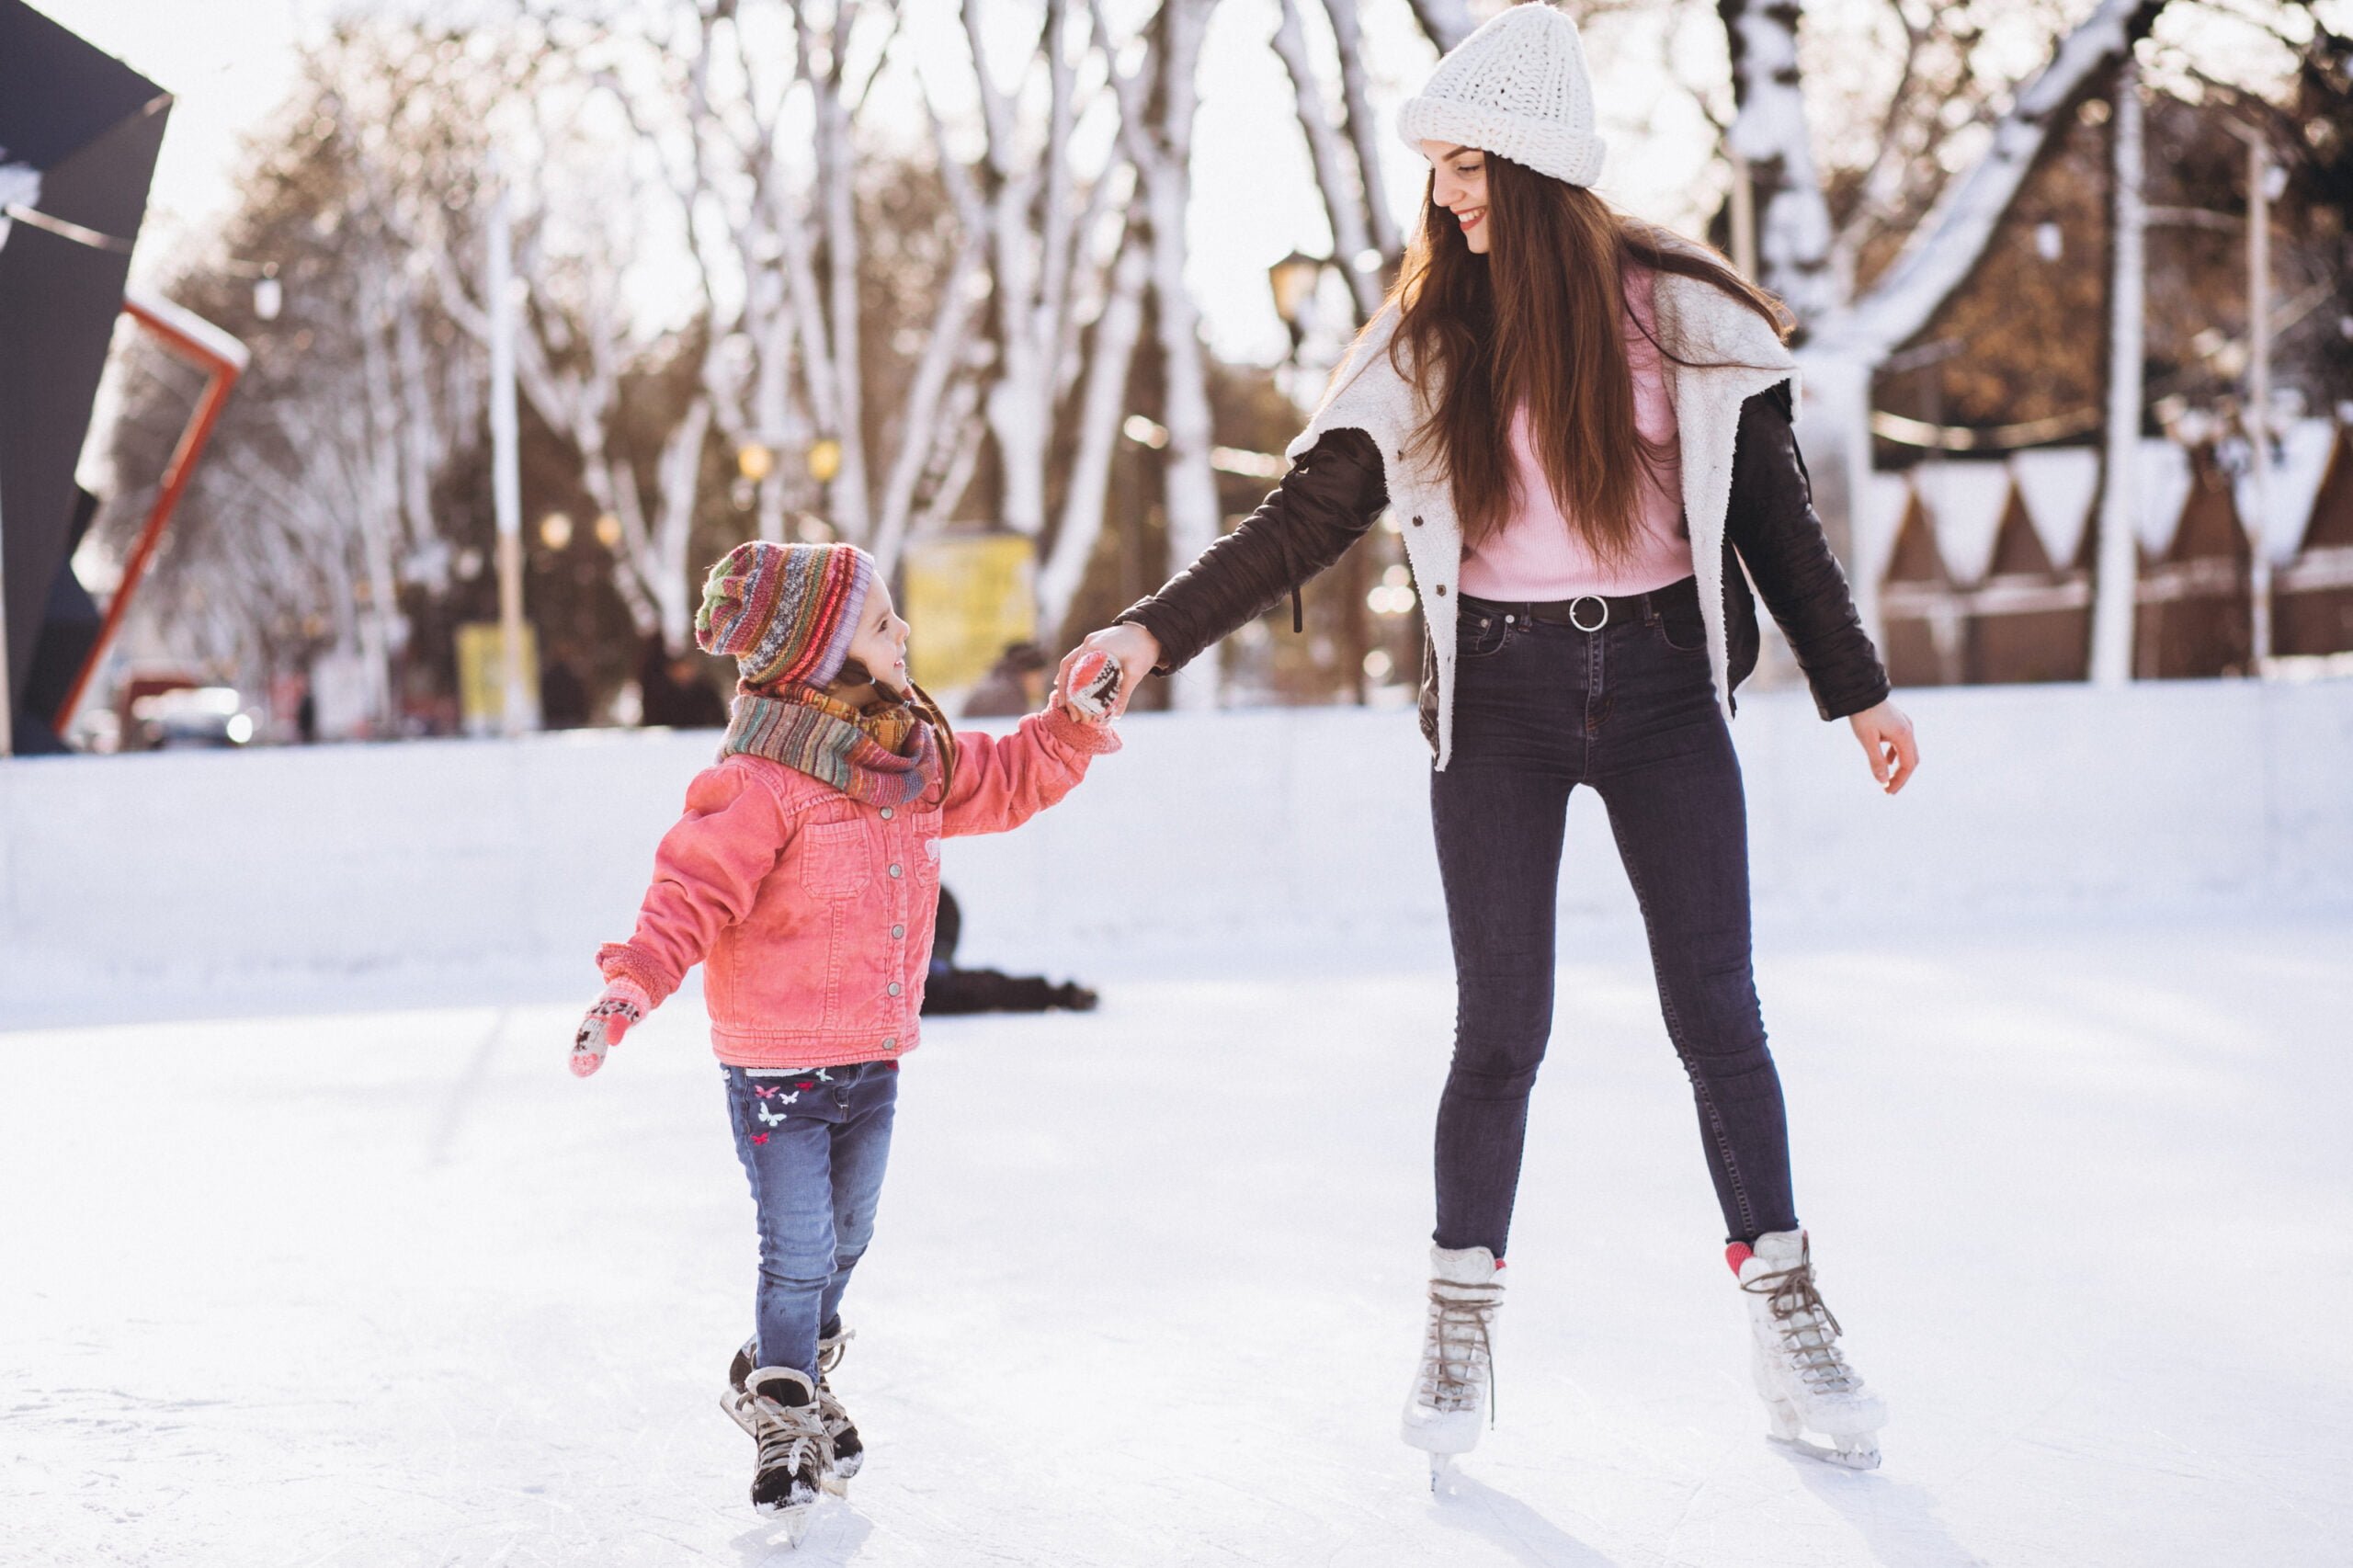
(788, 1476)
(848, 1449)
(845, 1451)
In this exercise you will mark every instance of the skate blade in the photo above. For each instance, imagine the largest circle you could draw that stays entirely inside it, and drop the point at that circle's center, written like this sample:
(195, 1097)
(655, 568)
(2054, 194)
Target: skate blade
(1860, 1454)
(791, 1519)
(1441, 1471)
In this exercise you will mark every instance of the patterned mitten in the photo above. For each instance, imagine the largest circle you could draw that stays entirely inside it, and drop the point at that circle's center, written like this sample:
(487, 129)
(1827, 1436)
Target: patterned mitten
(1094, 685)
(624, 1004)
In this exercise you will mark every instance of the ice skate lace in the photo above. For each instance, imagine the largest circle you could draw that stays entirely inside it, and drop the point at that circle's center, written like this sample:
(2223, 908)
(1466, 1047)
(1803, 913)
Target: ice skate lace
(791, 1435)
(1809, 1334)
(831, 1411)
(1456, 1350)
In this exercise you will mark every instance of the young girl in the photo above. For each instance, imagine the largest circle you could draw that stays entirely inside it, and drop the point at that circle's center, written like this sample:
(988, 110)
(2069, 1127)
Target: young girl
(804, 876)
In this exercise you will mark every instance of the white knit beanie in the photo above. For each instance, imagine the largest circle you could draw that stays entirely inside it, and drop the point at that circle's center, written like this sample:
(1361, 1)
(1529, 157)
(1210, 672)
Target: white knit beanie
(1517, 88)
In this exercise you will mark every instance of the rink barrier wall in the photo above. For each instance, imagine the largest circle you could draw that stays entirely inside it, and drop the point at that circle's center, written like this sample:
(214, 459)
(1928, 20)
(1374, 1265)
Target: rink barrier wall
(135, 885)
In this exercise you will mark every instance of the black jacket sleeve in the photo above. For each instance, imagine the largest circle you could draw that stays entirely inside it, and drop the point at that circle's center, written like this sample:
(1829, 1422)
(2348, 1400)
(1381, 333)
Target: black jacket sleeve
(1772, 524)
(1322, 506)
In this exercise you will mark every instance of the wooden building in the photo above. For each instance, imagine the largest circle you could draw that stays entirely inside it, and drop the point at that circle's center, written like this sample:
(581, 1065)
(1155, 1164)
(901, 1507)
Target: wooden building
(2310, 539)
(1985, 564)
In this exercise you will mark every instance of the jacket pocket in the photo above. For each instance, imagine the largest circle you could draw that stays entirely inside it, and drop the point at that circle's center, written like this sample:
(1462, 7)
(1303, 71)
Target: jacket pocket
(836, 860)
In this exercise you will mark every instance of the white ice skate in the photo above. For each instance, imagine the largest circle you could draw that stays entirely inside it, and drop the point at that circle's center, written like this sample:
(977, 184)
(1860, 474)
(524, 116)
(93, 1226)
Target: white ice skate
(1801, 1373)
(1454, 1386)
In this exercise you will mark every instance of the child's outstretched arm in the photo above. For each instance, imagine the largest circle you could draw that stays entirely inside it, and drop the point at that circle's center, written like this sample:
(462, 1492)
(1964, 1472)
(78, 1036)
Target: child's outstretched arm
(1003, 780)
(706, 874)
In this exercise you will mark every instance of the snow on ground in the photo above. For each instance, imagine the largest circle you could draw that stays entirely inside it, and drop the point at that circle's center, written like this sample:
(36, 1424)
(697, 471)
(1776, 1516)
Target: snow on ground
(391, 1287)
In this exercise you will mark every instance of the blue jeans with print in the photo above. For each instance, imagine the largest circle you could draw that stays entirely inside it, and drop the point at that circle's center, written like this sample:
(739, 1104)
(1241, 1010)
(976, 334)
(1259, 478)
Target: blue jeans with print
(815, 1142)
(1538, 709)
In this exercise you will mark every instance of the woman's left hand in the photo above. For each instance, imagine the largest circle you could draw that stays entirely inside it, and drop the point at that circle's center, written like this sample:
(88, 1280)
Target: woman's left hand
(1887, 740)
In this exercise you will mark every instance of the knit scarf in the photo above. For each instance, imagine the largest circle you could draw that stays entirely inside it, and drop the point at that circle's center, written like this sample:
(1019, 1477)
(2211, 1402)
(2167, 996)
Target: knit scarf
(886, 756)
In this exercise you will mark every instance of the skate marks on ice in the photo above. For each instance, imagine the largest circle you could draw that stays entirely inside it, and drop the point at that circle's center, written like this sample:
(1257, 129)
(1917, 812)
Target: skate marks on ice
(1897, 1519)
(833, 1533)
(1460, 1501)
(465, 1092)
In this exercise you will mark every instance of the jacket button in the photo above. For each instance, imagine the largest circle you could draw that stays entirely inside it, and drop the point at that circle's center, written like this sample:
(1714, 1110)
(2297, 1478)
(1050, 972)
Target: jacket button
(894, 988)
(898, 933)
(1441, 593)
(890, 1044)
(896, 870)
(886, 813)
(1417, 522)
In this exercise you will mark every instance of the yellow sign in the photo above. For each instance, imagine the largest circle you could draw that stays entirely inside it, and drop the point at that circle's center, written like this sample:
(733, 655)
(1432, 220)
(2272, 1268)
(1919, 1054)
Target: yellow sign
(968, 599)
(482, 677)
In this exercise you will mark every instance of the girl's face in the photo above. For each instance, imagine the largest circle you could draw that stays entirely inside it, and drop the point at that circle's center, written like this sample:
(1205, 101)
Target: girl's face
(1459, 184)
(881, 640)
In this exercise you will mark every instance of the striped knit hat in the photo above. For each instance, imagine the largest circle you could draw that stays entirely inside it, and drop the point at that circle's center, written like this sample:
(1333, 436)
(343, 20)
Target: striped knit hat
(1517, 87)
(785, 612)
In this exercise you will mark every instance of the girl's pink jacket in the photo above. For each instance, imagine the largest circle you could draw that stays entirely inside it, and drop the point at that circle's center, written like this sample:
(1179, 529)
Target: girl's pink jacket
(812, 914)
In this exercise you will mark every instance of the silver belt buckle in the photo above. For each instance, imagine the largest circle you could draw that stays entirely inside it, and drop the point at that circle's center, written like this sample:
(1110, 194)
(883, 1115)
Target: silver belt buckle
(1595, 598)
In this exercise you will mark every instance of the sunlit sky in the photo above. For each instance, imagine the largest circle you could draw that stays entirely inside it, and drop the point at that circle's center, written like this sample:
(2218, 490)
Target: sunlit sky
(229, 63)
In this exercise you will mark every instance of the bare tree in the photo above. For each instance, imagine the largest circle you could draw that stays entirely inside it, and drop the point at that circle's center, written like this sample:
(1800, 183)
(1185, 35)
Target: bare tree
(1157, 102)
(315, 513)
(1102, 407)
(1448, 22)
(1349, 185)
(1849, 332)
(1027, 205)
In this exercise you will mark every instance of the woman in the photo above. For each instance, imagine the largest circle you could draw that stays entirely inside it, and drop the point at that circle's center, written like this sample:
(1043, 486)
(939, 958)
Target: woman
(1584, 425)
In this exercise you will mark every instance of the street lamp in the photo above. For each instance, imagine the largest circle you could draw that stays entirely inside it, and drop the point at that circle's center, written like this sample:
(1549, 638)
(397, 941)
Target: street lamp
(825, 460)
(1292, 280)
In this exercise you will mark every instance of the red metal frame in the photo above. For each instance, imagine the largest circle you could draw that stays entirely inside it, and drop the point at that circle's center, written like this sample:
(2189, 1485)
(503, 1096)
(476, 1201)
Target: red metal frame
(223, 360)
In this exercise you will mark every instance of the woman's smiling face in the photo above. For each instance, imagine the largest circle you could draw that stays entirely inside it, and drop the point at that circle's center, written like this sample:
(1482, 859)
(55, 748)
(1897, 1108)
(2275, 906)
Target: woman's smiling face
(1459, 184)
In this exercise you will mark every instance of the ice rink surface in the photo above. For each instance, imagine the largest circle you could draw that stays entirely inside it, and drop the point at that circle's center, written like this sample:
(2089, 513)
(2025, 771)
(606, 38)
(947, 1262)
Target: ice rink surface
(391, 1287)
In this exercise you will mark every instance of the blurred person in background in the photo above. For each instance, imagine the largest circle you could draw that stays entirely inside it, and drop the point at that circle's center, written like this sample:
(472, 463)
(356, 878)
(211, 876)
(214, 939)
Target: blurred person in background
(954, 990)
(1011, 684)
(564, 696)
(675, 691)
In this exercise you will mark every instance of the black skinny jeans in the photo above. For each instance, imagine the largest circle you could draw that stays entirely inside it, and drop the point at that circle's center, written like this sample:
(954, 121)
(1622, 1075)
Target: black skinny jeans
(1538, 709)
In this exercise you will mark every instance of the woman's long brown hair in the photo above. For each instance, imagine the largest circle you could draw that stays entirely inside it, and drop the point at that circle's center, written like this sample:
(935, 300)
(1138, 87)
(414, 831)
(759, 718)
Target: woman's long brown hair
(1540, 322)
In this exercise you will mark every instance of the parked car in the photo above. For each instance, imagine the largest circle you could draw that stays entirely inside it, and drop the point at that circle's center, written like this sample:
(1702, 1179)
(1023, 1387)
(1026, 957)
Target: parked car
(191, 716)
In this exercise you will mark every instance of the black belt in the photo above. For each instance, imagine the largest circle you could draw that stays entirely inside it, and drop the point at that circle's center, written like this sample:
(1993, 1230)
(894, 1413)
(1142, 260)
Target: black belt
(1591, 612)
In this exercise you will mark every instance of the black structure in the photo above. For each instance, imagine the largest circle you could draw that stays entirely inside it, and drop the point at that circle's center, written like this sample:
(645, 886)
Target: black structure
(89, 127)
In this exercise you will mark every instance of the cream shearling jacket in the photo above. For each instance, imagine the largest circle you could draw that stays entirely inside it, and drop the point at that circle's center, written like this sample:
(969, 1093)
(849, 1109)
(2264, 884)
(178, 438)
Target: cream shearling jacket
(1738, 356)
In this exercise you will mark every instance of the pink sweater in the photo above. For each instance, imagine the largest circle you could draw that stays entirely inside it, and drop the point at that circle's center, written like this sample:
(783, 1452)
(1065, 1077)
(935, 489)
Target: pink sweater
(1538, 554)
(810, 913)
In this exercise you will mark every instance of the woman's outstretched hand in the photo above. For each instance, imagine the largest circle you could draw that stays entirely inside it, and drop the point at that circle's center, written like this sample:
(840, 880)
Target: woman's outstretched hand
(1887, 740)
(1137, 649)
